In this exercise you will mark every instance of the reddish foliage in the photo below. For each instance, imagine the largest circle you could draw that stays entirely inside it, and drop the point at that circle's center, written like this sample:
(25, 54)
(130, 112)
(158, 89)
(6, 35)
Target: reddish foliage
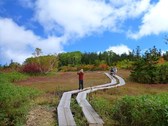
(161, 60)
(103, 66)
(31, 68)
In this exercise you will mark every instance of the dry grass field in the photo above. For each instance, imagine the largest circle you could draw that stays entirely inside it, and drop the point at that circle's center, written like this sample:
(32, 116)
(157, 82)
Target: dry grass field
(64, 81)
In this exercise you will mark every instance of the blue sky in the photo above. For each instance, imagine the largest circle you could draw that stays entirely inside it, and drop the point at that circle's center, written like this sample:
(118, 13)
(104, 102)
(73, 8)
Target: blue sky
(58, 26)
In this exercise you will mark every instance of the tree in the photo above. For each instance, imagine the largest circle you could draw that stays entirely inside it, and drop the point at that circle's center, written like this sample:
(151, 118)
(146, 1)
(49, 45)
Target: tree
(41, 64)
(37, 52)
(70, 58)
(145, 69)
(138, 51)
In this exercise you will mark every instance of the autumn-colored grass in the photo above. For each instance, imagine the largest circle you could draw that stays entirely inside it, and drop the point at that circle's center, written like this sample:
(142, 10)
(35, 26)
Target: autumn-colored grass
(64, 81)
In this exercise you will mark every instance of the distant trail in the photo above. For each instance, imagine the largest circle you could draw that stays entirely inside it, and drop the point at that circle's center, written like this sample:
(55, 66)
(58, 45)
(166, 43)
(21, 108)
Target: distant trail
(65, 116)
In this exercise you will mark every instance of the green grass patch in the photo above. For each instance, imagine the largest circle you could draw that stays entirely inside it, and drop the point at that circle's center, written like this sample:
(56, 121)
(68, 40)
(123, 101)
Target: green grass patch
(78, 114)
(14, 100)
(145, 110)
(103, 108)
(12, 77)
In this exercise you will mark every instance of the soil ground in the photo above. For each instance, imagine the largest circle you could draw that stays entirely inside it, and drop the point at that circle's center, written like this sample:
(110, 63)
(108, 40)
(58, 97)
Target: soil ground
(41, 116)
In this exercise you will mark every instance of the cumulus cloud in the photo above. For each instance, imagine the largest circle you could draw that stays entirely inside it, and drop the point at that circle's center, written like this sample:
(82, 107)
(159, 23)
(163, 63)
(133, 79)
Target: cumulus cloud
(18, 43)
(84, 17)
(130, 8)
(154, 21)
(76, 17)
(119, 49)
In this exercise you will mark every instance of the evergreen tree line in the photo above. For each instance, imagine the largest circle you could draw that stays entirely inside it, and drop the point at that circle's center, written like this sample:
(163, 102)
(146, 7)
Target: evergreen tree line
(151, 68)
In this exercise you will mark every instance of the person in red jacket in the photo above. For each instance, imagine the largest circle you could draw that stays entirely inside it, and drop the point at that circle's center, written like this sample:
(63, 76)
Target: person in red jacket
(80, 74)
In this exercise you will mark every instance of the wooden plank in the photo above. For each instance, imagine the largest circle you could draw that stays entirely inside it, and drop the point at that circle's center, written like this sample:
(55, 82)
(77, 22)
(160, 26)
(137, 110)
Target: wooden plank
(89, 117)
(61, 117)
(67, 100)
(121, 80)
(63, 100)
(69, 117)
(65, 117)
(90, 114)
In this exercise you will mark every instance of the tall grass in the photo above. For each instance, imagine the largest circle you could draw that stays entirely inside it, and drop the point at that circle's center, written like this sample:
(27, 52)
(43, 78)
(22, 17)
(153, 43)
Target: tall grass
(14, 100)
(12, 77)
(145, 110)
(103, 107)
(78, 114)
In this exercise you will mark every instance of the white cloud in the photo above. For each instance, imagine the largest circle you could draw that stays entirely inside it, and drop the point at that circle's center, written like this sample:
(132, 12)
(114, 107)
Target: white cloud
(84, 17)
(154, 21)
(130, 8)
(119, 49)
(76, 17)
(18, 43)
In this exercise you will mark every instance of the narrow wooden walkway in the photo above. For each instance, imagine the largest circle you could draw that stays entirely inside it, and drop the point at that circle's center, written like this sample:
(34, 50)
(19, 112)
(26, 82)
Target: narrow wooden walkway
(65, 116)
(92, 117)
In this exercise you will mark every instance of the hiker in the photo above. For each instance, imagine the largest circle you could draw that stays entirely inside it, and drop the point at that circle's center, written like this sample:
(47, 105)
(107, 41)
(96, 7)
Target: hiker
(80, 74)
(115, 70)
(111, 71)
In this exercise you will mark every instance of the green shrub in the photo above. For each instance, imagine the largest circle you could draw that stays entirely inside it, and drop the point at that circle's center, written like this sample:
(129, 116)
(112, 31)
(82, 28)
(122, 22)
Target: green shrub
(125, 64)
(152, 74)
(103, 108)
(14, 100)
(146, 110)
(12, 77)
(40, 64)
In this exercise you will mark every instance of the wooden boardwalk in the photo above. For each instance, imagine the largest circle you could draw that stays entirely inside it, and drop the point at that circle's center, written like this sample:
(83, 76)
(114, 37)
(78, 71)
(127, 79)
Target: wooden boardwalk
(65, 117)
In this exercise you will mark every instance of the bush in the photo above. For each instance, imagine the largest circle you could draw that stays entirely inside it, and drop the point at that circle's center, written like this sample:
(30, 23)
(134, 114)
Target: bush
(31, 68)
(125, 64)
(41, 64)
(151, 74)
(12, 77)
(68, 68)
(163, 72)
(103, 67)
(146, 110)
(14, 100)
(87, 67)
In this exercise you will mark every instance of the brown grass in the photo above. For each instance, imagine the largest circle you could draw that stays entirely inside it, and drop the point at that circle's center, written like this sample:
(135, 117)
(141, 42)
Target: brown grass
(64, 81)
(130, 88)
